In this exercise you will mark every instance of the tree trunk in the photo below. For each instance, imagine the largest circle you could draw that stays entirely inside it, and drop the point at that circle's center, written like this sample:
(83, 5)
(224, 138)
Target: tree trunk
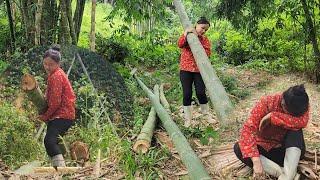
(195, 168)
(25, 19)
(31, 17)
(144, 139)
(64, 26)
(11, 24)
(77, 18)
(30, 86)
(70, 22)
(313, 37)
(37, 39)
(93, 26)
(49, 22)
(217, 93)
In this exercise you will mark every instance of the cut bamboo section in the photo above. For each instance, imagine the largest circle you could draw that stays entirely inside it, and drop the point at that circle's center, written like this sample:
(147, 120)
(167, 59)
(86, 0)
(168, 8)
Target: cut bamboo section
(30, 86)
(217, 93)
(195, 168)
(144, 139)
(59, 170)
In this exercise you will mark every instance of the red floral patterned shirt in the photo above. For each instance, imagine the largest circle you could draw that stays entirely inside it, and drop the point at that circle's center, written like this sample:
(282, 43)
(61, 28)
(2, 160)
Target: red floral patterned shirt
(60, 97)
(187, 62)
(272, 135)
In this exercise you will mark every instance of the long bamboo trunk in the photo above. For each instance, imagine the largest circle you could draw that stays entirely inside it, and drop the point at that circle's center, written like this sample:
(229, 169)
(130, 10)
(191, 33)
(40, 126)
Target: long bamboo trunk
(217, 93)
(71, 23)
(188, 156)
(30, 86)
(64, 31)
(144, 139)
(77, 18)
(11, 25)
(163, 99)
(93, 26)
(38, 23)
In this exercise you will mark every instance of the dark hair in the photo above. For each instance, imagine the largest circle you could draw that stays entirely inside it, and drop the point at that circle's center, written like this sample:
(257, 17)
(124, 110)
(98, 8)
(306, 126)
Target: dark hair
(296, 100)
(53, 53)
(203, 20)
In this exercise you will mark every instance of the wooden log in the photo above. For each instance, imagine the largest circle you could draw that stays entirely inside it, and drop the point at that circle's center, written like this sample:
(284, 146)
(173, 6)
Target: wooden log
(144, 138)
(195, 168)
(60, 170)
(30, 86)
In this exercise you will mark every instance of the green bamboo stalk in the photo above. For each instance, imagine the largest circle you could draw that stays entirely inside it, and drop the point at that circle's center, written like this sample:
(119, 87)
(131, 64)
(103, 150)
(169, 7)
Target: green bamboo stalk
(217, 93)
(163, 99)
(144, 139)
(194, 165)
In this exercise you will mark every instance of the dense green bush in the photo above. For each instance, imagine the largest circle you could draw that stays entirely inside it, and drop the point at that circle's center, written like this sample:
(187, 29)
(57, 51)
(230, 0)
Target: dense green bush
(17, 142)
(238, 47)
(111, 49)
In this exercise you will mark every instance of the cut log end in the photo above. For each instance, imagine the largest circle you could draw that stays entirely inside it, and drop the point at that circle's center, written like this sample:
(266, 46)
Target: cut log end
(28, 82)
(141, 146)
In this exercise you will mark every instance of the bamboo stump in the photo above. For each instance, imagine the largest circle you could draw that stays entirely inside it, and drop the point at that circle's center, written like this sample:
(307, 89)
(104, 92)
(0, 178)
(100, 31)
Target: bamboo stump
(34, 94)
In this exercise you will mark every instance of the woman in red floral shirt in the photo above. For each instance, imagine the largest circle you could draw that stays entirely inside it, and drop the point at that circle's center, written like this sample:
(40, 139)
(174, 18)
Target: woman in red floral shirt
(272, 136)
(189, 72)
(60, 97)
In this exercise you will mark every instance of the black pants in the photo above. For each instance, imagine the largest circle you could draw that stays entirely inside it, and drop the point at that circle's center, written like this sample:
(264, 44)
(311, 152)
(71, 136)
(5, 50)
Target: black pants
(187, 79)
(292, 139)
(55, 128)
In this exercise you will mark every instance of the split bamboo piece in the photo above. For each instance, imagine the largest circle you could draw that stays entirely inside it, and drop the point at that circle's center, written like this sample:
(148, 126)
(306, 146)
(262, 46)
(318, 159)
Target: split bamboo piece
(30, 86)
(144, 139)
(195, 168)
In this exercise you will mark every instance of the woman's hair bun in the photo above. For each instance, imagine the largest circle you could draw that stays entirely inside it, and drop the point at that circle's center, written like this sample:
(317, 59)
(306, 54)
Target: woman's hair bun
(56, 47)
(203, 20)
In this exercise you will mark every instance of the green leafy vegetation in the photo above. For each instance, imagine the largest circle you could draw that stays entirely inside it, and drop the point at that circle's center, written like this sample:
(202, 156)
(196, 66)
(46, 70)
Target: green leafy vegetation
(17, 142)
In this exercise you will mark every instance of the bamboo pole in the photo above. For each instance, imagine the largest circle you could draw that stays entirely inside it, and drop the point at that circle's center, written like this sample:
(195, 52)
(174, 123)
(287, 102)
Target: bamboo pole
(144, 139)
(163, 99)
(188, 156)
(30, 86)
(217, 93)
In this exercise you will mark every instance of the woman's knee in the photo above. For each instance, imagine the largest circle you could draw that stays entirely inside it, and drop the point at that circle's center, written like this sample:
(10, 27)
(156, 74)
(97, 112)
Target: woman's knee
(50, 140)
